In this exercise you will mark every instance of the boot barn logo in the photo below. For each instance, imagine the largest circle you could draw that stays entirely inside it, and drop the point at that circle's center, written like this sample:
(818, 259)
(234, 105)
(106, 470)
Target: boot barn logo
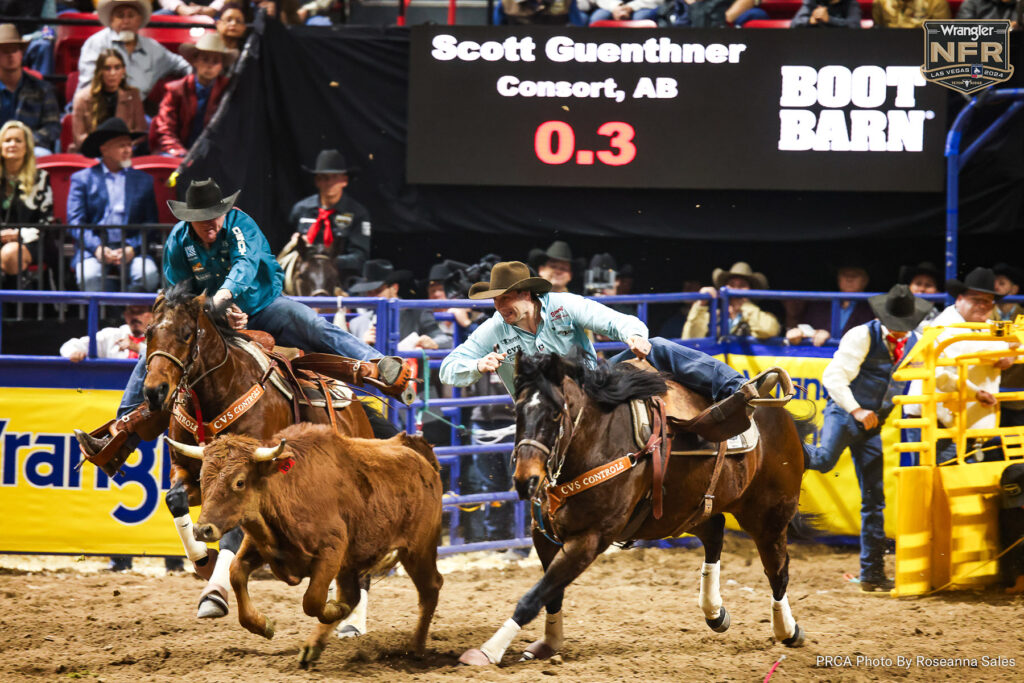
(967, 56)
(838, 109)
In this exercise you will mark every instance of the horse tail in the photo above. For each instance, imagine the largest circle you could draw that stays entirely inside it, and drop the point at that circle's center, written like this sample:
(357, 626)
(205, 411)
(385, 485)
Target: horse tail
(423, 447)
(805, 526)
(805, 422)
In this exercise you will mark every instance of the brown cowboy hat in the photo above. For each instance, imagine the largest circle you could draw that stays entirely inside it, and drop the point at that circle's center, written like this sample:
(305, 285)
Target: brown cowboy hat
(898, 309)
(9, 36)
(105, 10)
(210, 42)
(739, 269)
(508, 276)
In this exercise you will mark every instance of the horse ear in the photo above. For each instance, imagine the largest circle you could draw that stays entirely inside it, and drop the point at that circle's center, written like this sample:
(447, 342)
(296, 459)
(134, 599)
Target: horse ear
(160, 301)
(518, 359)
(301, 246)
(553, 368)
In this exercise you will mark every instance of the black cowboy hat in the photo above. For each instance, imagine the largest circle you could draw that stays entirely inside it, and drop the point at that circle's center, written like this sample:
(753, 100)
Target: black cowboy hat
(980, 280)
(330, 161)
(908, 273)
(558, 251)
(603, 262)
(378, 273)
(508, 276)
(1014, 274)
(1012, 483)
(203, 202)
(105, 132)
(899, 310)
(439, 272)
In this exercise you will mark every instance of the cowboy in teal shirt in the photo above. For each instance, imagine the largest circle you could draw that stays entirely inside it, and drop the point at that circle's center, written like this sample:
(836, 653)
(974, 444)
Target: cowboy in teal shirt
(532, 320)
(239, 260)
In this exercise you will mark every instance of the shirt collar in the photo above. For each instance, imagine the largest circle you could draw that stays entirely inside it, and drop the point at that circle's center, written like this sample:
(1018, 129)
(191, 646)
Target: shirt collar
(202, 89)
(138, 41)
(108, 172)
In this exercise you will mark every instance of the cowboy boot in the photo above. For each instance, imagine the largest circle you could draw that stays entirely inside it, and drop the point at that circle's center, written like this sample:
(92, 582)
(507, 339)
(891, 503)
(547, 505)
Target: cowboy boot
(394, 378)
(109, 446)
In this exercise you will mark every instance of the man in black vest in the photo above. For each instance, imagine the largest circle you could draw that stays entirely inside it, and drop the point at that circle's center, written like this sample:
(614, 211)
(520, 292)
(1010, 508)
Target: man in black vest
(860, 386)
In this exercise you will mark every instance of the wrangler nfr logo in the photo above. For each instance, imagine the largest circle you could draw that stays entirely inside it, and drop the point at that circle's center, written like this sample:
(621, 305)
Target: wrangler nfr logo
(967, 56)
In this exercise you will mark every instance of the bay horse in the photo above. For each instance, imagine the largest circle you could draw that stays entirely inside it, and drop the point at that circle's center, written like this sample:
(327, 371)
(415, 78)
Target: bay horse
(312, 271)
(193, 356)
(573, 418)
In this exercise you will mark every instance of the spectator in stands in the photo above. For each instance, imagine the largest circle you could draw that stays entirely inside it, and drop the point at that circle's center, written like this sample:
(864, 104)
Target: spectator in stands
(25, 98)
(126, 341)
(990, 9)
(976, 296)
(860, 387)
(701, 13)
(112, 193)
(109, 95)
(554, 265)
(1008, 282)
(26, 198)
(231, 25)
(147, 60)
(815, 321)
(924, 278)
(331, 215)
(540, 12)
(746, 319)
(636, 10)
(417, 327)
(190, 9)
(907, 13)
(742, 11)
(828, 14)
(440, 273)
(190, 102)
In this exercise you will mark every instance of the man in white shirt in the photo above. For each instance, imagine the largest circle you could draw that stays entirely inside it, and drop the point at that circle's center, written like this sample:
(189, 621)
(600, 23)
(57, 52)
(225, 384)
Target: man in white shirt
(146, 60)
(860, 386)
(126, 341)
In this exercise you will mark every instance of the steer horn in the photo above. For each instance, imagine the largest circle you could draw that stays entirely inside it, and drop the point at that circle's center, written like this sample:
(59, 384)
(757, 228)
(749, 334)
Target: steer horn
(185, 449)
(267, 452)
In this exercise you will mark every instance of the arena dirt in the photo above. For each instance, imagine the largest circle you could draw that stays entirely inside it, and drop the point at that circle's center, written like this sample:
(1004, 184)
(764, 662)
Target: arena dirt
(632, 616)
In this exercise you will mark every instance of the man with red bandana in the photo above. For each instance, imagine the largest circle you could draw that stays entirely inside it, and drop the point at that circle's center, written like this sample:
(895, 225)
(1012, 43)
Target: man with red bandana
(332, 218)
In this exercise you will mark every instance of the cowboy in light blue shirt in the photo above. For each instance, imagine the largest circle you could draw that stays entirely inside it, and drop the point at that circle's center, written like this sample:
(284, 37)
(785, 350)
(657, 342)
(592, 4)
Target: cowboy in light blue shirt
(531, 319)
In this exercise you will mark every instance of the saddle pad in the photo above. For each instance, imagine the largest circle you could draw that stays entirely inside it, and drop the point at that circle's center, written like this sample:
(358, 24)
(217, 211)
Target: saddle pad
(742, 443)
(341, 394)
(641, 422)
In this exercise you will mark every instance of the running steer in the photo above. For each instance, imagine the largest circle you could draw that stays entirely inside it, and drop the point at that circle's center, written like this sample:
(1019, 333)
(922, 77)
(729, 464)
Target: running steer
(328, 507)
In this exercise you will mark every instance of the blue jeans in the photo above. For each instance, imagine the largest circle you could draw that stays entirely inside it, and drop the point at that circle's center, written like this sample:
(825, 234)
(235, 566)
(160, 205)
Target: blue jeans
(291, 324)
(841, 431)
(638, 15)
(143, 274)
(488, 473)
(692, 368)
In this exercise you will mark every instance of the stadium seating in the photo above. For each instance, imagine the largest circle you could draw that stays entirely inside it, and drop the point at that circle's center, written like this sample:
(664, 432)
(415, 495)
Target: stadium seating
(625, 23)
(60, 167)
(66, 132)
(172, 38)
(68, 41)
(70, 86)
(786, 9)
(161, 168)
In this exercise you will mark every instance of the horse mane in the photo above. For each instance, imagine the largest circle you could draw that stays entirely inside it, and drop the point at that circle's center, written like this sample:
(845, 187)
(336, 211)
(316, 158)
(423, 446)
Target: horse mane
(607, 385)
(219, 319)
(179, 294)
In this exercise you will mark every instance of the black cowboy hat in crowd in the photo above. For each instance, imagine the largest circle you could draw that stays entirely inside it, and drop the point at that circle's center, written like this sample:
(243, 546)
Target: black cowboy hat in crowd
(378, 273)
(508, 276)
(439, 272)
(979, 279)
(558, 251)
(203, 202)
(105, 132)
(330, 161)
(1014, 274)
(898, 309)
(908, 273)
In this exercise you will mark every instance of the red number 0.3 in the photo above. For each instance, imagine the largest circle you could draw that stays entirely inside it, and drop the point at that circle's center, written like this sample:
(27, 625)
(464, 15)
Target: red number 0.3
(555, 143)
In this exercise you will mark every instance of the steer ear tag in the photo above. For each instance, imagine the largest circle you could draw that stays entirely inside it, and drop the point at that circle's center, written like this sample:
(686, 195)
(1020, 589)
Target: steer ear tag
(285, 464)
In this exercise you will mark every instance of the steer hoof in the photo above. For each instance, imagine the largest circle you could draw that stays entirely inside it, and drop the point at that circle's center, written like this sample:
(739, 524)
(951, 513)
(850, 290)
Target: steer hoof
(721, 623)
(205, 570)
(268, 628)
(797, 639)
(538, 649)
(474, 657)
(348, 631)
(213, 603)
(309, 654)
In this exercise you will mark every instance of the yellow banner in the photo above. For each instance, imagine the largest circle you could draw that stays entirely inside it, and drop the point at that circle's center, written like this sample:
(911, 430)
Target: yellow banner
(49, 507)
(834, 496)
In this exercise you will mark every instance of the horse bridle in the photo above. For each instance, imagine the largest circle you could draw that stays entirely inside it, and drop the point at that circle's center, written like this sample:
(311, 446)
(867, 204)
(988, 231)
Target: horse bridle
(321, 292)
(555, 459)
(192, 356)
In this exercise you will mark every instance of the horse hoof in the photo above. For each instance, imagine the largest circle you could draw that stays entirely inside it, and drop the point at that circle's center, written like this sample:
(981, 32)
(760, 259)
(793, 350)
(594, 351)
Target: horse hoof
(474, 657)
(538, 649)
(348, 631)
(797, 639)
(205, 570)
(721, 623)
(213, 603)
(309, 654)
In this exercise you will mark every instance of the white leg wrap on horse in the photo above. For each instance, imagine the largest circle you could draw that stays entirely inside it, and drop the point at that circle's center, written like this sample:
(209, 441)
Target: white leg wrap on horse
(357, 617)
(222, 570)
(499, 642)
(783, 624)
(553, 631)
(194, 550)
(710, 598)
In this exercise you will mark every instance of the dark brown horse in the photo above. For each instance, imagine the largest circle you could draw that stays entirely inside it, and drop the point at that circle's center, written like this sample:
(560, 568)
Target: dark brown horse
(314, 272)
(572, 418)
(189, 347)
